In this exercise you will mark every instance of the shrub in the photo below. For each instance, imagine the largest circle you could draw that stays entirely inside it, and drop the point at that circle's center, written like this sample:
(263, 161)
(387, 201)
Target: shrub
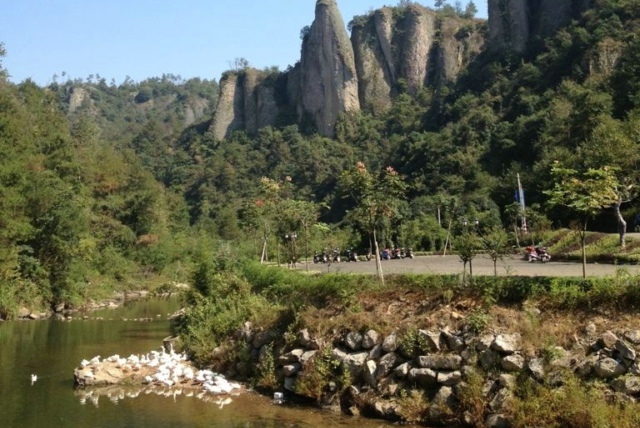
(413, 406)
(315, 381)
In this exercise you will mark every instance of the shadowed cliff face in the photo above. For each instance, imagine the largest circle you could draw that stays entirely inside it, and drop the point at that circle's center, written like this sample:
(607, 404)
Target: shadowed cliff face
(246, 102)
(329, 83)
(415, 45)
(514, 23)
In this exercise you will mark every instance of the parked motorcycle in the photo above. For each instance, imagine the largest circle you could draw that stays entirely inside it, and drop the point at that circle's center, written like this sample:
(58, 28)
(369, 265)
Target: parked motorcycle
(320, 258)
(352, 256)
(385, 254)
(406, 253)
(537, 254)
(396, 254)
(335, 256)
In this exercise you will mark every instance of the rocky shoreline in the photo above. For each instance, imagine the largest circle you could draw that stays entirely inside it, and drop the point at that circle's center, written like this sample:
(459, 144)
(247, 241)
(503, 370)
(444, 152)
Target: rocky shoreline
(383, 370)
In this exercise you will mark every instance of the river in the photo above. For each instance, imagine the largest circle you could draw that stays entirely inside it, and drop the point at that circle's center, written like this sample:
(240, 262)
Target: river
(51, 349)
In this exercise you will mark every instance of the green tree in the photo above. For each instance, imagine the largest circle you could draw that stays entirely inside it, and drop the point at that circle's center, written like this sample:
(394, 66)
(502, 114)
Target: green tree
(467, 245)
(470, 10)
(495, 242)
(376, 198)
(585, 193)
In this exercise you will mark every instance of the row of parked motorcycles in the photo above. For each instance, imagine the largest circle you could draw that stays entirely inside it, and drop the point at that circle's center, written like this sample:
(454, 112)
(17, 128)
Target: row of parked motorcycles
(334, 256)
(396, 253)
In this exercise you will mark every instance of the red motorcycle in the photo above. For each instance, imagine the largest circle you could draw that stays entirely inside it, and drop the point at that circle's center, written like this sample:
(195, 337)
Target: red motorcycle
(537, 254)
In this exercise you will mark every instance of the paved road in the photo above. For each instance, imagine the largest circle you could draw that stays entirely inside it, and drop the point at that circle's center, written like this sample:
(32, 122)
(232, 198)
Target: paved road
(482, 265)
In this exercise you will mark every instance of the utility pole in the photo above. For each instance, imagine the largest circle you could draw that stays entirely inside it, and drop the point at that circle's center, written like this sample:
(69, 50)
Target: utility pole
(520, 198)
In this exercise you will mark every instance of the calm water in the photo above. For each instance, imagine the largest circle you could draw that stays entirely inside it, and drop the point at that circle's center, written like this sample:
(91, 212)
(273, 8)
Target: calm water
(52, 349)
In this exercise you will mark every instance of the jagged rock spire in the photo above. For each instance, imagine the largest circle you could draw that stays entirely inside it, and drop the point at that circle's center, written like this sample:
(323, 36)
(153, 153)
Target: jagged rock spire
(329, 83)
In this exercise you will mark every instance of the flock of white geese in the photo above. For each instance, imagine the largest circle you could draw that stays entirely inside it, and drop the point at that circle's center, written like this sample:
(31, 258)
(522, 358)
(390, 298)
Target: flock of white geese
(169, 370)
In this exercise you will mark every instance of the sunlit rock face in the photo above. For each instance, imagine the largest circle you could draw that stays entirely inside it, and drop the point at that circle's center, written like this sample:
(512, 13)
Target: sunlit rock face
(328, 78)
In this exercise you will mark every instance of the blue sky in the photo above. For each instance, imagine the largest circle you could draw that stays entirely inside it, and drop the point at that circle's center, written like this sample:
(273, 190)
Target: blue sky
(146, 38)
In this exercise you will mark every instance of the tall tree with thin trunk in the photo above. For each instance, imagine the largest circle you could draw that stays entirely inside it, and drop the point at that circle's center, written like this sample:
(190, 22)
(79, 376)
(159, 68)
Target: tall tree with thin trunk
(376, 198)
(585, 193)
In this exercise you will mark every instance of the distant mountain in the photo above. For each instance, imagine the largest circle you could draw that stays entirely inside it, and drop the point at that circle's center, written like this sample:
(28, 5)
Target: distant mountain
(391, 48)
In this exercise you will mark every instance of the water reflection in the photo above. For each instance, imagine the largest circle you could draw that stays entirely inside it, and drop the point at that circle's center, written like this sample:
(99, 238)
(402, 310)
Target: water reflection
(53, 349)
(117, 393)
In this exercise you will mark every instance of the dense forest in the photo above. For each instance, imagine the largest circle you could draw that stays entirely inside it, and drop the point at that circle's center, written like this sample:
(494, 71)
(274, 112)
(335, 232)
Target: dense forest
(107, 186)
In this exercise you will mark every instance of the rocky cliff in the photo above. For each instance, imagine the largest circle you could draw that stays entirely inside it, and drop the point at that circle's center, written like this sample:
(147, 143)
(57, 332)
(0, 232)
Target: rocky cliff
(329, 83)
(246, 102)
(514, 23)
(392, 47)
(337, 74)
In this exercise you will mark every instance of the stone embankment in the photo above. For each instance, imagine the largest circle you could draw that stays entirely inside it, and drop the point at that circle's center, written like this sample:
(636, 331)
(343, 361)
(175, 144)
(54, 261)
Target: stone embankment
(159, 371)
(384, 369)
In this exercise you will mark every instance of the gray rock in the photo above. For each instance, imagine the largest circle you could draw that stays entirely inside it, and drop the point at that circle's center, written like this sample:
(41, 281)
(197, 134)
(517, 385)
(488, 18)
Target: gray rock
(23, 312)
(484, 342)
(502, 400)
(507, 343)
(355, 362)
(432, 338)
(304, 358)
(291, 357)
(291, 369)
(390, 343)
(443, 403)
(634, 369)
(402, 370)
(469, 356)
(496, 420)
(585, 367)
(304, 338)
(441, 362)
(454, 343)
(590, 329)
(387, 363)
(339, 354)
(264, 353)
(608, 339)
(424, 377)
(536, 367)
(507, 381)
(489, 387)
(627, 385)
(375, 352)
(633, 336)
(625, 351)
(290, 384)
(608, 368)
(245, 333)
(449, 378)
(370, 339)
(262, 338)
(353, 341)
(369, 373)
(513, 363)
(489, 359)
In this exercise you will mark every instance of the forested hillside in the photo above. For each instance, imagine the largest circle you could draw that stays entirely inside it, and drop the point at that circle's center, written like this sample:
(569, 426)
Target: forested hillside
(106, 185)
